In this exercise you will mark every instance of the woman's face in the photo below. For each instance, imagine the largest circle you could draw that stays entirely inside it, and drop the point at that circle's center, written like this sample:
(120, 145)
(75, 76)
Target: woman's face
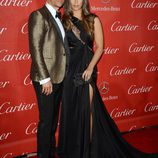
(76, 5)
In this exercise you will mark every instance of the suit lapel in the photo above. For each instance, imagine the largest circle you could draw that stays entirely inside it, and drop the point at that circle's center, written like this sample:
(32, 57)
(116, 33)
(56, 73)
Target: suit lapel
(65, 42)
(51, 18)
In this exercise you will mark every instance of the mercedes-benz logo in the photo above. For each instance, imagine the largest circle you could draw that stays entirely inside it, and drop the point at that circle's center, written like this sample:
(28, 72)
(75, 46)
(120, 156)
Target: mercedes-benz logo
(104, 87)
(105, 1)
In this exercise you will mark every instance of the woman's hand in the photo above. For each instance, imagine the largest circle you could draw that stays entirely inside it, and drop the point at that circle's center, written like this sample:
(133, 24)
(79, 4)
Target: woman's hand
(99, 42)
(87, 74)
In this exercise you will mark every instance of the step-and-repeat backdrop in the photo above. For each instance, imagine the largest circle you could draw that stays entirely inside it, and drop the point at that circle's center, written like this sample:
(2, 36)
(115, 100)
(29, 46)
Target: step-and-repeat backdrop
(127, 71)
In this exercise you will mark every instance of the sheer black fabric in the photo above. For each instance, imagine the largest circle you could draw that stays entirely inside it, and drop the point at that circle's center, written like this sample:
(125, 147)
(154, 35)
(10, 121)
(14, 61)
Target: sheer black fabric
(76, 139)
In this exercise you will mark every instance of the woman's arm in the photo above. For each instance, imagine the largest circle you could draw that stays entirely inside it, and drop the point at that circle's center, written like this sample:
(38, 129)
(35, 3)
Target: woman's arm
(99, 42)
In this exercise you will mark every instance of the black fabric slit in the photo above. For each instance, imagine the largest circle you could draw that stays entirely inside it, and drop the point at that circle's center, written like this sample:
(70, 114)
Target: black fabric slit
(74, 133)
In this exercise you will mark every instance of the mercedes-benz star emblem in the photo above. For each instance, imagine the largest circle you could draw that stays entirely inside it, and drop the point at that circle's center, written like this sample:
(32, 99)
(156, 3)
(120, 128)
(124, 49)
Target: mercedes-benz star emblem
(104, 87)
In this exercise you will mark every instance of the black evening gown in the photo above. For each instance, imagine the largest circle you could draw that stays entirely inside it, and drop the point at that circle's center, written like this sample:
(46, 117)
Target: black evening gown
(76, 139)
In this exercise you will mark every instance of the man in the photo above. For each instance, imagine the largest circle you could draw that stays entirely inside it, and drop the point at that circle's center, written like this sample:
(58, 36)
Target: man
(49, 52)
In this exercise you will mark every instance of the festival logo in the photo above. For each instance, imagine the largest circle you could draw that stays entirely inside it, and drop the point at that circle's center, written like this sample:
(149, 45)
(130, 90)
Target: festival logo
(7, 107)
(136, 48)
(24, 29)
(110, 50)
(15, 3)
(116, 112)
(117, 26)
(104, 87)
(149, 107)
(106, 6)
(4, 136)
(31, 129)
(151, 67)
(134, 89)
(110, 98)
(27, 80)
(153, 25)
(6, 56)
(2, 30)
(136, 4)
(4, 84)
(117, 71)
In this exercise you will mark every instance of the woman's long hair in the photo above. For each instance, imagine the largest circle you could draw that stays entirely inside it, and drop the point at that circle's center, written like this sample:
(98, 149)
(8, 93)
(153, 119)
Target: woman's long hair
(87, 17)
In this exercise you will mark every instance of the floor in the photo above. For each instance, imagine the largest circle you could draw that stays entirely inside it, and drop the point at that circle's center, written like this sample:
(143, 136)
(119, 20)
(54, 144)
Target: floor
(145, 140)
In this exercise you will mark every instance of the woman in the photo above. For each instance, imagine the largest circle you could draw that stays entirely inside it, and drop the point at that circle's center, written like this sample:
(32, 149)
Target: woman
(86, 129)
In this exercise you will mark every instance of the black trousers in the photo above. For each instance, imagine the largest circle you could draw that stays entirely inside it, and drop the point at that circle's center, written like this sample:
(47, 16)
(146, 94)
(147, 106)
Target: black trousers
(48, 119)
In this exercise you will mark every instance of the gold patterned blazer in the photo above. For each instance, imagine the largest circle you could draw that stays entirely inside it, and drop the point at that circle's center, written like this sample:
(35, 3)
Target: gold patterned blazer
(49, 52)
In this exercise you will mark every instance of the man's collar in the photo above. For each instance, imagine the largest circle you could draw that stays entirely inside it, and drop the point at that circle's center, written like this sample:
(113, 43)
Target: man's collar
(51, 9)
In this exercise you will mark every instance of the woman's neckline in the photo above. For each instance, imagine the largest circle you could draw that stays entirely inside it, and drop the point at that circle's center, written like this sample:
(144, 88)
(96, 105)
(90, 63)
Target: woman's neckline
(76, 18)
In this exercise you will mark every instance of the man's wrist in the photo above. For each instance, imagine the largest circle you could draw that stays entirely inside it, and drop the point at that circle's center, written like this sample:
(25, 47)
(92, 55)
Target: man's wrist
(44, 80)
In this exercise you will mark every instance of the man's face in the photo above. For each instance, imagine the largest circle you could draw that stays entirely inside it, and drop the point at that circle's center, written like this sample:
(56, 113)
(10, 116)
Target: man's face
(56, 3)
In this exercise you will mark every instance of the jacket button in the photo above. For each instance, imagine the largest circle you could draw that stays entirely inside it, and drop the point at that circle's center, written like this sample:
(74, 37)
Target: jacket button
(64, 54)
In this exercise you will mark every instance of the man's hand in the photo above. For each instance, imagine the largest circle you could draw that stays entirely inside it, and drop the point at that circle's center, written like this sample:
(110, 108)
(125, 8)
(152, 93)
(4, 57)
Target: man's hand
(47, 88)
